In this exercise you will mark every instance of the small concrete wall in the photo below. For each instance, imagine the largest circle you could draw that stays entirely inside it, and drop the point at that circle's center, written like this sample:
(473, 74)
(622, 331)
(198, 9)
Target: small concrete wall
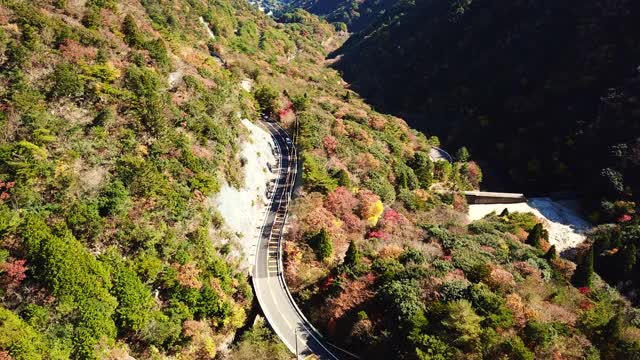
(482, 197)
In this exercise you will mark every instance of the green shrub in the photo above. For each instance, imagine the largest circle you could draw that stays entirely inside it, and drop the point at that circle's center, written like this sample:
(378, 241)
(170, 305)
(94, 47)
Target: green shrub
(411, 255)
(411, 201)
(380, 185)
(539, 333)
(536, 234)
(429, 347)
(463, 325)
(210, 305)
(583, 275)
(114, 199)
(91, 18)
(454, 290)
(259, 343)
(78, 281)
(66, 82)
(267, 99)
(423, 167)
(342, 177)
(352, 257)
(135, 303)
(322, 245)
(300, 102)
(19, 339)
(83, 218)
(491, 306)
(132, 35)
(401, 301)
(315, 175)
(515, 349)
(158, 52)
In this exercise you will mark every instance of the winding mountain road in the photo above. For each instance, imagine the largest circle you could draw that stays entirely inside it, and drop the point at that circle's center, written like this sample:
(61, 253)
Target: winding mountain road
(271, 290)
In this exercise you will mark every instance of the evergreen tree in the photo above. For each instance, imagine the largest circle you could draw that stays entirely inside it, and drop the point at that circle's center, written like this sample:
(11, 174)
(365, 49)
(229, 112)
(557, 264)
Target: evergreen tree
(132, 35)
(551, 254)
(504, 212)
(629, 259)
(343, 178)
(463, 154)
(583, 276)
(267, 98)
(402, 181)
(535, 235)
(322, 245)
(352, 257)
(423, 168)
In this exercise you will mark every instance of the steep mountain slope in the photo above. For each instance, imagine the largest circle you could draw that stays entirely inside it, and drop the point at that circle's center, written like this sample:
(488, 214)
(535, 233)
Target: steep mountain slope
(351, 15)
(121, 121)
(118, 126)
(519, 82)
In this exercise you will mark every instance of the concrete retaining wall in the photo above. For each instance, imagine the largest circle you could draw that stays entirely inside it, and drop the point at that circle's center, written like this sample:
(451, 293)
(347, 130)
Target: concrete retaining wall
(483, 197)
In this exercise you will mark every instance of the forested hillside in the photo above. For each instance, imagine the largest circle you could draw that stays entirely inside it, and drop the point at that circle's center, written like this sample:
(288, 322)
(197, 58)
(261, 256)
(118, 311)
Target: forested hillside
(118, 127)
(122, 120)
(345, 15)
(540, 91)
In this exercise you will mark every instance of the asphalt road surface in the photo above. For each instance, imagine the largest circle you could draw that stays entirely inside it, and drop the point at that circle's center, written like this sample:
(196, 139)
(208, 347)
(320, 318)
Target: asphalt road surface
(275, 300)
(437, 154)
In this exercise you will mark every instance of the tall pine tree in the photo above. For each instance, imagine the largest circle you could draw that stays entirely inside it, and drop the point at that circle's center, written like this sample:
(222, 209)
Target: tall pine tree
(583, 276)
(352, 257)
(535, 235)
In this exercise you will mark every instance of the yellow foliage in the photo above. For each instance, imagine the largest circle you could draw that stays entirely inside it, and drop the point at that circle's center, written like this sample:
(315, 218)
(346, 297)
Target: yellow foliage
(375, 211)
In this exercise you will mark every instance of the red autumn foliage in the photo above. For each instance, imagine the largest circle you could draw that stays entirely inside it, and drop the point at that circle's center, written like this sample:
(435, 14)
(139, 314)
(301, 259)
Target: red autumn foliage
(341, 202)
(625, 218)
(378, 234)
(585, 305)
(330, 144)
(584, 290)
(286, 112)
(13, 273)
(391, 219)
(473, 174)
(327, 282)
(392, 216)
(354, 293)
(74, 51)
(352, 223)
(4, 355)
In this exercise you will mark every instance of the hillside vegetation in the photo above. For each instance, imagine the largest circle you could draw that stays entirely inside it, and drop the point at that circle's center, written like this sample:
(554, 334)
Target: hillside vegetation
(122, 119)
(540, 91)
(118, 124)
(345, 15)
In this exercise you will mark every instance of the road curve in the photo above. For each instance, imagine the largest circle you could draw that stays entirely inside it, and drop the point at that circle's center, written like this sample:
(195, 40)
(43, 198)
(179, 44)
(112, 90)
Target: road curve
(271, 290)
(438, 154)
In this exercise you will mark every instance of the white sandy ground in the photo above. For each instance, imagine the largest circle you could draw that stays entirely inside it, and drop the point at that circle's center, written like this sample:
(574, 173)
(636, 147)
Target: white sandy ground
(243, 209)
(246, 84)
(206, 25)
(566, 227)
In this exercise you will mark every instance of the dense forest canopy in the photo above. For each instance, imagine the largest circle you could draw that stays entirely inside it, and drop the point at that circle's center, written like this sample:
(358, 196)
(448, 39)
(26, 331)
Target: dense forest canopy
(540, 91)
